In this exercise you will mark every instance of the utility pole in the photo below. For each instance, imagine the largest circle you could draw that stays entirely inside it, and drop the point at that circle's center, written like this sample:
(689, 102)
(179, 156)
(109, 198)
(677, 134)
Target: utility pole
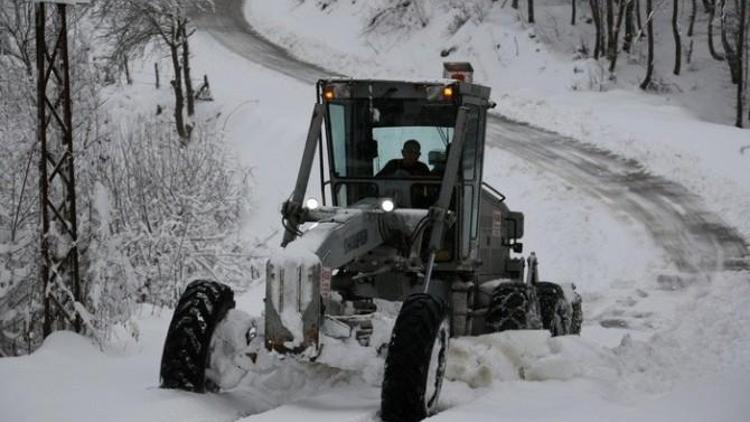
(61, 281)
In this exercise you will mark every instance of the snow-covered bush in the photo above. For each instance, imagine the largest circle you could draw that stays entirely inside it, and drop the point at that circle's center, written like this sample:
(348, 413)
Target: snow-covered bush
(397, 16)
(109, 277)
(152, 212)
(465, 11)
(173, 211)
(18, 201)
(588, 75)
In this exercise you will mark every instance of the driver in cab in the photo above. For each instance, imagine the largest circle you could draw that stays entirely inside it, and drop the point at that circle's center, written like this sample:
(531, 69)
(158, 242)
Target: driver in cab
(409, 165)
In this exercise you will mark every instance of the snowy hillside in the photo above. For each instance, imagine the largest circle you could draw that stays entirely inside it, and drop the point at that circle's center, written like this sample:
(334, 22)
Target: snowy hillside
(666, 334)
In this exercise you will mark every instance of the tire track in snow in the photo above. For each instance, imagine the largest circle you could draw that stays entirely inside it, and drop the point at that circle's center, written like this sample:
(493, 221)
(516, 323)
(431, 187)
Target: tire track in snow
(228, 26)
(695, 239)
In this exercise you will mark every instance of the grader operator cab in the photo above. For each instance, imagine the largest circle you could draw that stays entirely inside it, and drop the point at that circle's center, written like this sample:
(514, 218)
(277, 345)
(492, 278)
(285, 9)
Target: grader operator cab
(440, 240)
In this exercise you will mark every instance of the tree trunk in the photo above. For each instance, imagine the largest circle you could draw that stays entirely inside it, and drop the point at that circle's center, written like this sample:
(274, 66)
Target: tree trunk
(650, 31)
(694, 4)
(638, 15)
(729, 53)
(531, 10)
(740, 52)
(179, 102)
(629, 26)
(603, 34)
(611, 41)
(711, 48)
(186, 69)
(126, 67)
(597, 26)
(572, 12)
(677, 41)
(514, 4)
(615, 53)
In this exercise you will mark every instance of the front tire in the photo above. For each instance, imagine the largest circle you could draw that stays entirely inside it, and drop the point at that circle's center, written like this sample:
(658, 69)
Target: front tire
(186, 348)
(415, 365)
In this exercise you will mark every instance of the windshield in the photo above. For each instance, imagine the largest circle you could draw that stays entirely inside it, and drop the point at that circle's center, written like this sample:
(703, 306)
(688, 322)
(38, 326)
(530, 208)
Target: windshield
(389, 138)
(432, 140)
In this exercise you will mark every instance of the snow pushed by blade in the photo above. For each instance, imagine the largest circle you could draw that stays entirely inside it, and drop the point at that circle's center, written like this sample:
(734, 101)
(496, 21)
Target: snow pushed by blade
(527, 355)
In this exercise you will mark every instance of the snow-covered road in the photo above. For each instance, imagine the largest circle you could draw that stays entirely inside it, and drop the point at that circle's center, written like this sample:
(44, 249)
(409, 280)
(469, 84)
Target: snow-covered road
(694, 239)
(228, 26)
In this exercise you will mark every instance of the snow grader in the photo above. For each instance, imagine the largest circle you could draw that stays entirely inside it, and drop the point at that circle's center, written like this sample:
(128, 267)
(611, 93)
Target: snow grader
(436, 238)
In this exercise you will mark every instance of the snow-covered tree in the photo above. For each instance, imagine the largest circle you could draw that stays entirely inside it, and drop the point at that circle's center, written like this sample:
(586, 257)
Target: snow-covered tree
(734, 22)
(129, 26)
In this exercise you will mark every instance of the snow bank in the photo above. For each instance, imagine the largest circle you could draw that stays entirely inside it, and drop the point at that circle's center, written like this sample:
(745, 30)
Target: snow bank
(527, 355)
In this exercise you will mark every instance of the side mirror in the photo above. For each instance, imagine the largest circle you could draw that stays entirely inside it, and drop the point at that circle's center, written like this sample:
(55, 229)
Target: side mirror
(513, 226)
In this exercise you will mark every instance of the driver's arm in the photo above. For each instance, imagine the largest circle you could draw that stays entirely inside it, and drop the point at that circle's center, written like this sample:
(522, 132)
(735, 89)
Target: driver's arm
(422, 169)
(389, 169)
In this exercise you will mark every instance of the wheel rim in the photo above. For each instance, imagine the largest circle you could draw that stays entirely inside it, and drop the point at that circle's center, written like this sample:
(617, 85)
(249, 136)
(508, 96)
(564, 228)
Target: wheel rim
(436, 368)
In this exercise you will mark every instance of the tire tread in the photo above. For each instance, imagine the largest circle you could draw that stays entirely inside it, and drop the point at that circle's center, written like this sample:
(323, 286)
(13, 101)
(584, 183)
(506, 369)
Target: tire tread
(417, 325)
(185, 357)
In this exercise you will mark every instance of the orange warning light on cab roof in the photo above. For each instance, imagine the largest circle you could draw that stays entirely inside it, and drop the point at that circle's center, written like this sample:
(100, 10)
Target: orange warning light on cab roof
(448, 92)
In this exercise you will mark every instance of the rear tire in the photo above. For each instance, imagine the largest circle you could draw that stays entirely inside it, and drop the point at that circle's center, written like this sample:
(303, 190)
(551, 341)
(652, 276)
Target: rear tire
(415, 365)
(513, 306)
(575, 326)
(186, 348)
(555, 309)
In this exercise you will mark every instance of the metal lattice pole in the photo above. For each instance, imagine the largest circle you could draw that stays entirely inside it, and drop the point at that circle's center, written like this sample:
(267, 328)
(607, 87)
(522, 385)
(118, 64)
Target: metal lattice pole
(59, 238)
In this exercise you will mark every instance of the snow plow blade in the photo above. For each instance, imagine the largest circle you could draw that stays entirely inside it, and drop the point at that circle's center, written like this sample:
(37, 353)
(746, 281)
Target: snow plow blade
(292, 305)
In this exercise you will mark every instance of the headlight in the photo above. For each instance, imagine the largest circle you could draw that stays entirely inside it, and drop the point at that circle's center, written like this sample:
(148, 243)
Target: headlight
(312, 204)
(387, 205)
(251, 333)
